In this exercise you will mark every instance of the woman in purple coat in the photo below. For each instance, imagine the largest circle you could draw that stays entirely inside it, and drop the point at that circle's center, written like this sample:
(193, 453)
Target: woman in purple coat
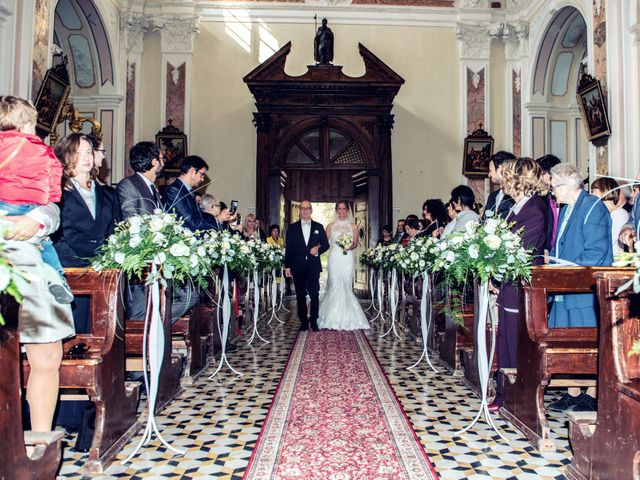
(522, 180)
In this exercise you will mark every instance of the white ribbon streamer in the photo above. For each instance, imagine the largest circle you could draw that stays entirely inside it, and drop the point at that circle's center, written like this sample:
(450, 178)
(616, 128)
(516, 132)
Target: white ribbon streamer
(373, 294)
(274, 293)
(256, 307)
(283, 281)
(484, 362)
(154, 329)
(393, 303)
(226, 318)
(425, 320)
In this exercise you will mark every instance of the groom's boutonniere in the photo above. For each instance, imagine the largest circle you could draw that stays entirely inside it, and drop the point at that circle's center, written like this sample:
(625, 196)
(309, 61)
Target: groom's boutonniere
(316, 232)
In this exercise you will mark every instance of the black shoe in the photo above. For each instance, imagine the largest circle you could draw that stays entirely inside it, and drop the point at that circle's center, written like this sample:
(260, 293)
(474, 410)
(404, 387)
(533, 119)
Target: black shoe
(231, 347)
(564, 403)
(314, 327)
(584, 403)
(304, 328)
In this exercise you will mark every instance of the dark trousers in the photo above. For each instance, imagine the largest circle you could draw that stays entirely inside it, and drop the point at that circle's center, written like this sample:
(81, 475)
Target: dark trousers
(507, 341)
(307, 282)
(185, 296)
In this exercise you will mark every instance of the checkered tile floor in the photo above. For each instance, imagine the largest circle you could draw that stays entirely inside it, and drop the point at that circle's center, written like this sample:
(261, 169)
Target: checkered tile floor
(218, 421)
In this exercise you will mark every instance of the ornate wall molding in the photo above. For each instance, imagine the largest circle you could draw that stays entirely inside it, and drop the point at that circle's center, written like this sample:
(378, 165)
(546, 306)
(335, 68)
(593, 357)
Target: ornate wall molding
(474, 41)
(133, 26)
(177, 33)
(472, 4)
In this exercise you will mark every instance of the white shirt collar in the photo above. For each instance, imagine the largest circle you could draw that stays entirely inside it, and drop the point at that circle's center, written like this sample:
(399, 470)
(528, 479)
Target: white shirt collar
(518, 206)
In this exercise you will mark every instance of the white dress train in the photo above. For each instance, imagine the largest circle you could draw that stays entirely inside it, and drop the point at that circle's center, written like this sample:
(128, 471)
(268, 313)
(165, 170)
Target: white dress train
(339, 307)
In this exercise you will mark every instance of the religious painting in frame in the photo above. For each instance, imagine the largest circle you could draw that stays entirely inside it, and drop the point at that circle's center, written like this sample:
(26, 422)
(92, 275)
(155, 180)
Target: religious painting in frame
(172, 142)
(52, 96)
(478, 148)
(593, 109)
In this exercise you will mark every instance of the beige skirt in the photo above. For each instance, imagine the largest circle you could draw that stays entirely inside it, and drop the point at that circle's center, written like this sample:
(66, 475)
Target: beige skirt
(41, 318)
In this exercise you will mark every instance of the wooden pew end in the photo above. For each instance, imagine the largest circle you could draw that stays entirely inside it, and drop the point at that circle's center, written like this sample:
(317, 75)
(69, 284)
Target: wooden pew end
(510, 374)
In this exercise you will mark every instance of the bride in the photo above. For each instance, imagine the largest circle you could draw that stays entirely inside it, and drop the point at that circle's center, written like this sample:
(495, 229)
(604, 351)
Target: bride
(339, 309)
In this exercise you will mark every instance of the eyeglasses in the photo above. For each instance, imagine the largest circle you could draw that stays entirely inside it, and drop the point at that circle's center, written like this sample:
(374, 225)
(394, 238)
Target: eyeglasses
(103, 150)
(305, 208)
(553, 187)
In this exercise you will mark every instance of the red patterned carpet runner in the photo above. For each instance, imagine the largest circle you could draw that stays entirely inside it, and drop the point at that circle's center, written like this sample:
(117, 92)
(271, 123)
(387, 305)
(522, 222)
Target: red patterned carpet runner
(335, 417)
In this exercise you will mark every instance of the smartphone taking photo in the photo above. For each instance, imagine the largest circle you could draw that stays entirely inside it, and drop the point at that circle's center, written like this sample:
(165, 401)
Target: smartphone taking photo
(233, 207)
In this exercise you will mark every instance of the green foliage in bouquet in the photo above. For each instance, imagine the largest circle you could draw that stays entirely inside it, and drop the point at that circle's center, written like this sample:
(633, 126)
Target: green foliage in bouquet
(372, 257)
(489, 251)
(268, 257)
(226, 248)
(157, 238)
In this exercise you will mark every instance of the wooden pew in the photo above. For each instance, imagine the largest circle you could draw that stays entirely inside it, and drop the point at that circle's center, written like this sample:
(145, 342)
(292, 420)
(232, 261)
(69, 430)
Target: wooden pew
(15, 464)
(545, 352)
(186, 335)
(100, 372)
(438, 320)
(409, 307)
(169, 383)
(606, 444)
(456, 336)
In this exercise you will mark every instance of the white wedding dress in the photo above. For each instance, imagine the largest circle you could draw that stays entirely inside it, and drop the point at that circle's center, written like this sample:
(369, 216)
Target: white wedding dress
(339, 308)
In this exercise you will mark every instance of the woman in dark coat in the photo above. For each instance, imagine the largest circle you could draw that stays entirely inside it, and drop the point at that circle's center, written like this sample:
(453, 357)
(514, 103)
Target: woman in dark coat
(88, 211)
(522, 180)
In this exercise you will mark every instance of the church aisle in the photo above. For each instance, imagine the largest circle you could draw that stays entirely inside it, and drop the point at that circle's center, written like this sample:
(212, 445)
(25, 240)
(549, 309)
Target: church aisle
(218, 421)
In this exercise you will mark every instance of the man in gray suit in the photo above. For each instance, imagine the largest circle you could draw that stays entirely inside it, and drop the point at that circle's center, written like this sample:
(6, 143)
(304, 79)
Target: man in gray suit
(138, 194)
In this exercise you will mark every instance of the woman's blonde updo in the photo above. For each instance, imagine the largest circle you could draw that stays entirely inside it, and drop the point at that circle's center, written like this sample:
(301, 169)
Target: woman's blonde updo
(522, 177)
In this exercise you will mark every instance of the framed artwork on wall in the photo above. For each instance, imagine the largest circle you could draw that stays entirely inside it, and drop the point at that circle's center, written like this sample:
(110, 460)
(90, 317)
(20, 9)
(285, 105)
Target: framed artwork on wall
(593, 109)
(52, 96)
(478, 148)
(172, 142)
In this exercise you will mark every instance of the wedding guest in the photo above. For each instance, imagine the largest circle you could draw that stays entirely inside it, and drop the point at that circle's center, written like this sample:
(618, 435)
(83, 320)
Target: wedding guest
(463, 201)
(412, 228)
(251, 230)
(99, 154)
(179, 196)
(210, 207)
(628, 233)
(88, 213)
(263, 235)
(498, 204)
(626, 198)
(546, 163)
(225, 218)
(583, 238)
(452, 214)
(386, 238)
(400, 233)
(607, 190)
(522, 181)
(274, 237)
(435, 212)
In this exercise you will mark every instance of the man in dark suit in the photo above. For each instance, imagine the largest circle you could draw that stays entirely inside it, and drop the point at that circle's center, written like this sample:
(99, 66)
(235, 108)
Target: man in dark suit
(306, 241)
(179, 196)
(498, 204)
(138, 194)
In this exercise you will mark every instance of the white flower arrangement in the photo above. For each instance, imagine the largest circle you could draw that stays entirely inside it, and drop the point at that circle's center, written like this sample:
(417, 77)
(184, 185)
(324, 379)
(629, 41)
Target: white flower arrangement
(12, 281)
(159, 238)
(344, 241)
(630, 259)
(268, 257)
(226, 248)
(489, 251)
(418, 257)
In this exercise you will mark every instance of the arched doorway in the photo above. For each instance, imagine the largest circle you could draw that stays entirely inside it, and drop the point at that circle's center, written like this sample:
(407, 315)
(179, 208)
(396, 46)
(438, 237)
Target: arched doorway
(324, 137)
(81, 34)
(556, 124)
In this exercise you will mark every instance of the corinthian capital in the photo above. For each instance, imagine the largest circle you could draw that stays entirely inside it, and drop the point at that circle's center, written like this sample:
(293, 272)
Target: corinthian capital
(474, 41)
(133, 26)
(515, 36)
(177, 33)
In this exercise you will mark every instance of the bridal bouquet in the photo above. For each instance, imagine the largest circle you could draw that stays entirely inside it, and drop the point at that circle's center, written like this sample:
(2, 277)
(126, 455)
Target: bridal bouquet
(344, 241)
(489, 251)
(157, 238)
(11, 279)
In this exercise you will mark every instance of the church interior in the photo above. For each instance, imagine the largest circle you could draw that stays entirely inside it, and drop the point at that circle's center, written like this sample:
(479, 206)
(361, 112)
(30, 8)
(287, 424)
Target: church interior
(385, 104)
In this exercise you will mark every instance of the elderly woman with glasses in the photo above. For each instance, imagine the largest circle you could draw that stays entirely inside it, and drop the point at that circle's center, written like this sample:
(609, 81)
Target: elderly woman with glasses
(583, 238)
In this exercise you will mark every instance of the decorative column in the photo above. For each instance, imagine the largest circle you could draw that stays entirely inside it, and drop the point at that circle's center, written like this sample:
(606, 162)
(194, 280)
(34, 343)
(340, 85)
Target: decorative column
(474, 45)
(267, 176)
(133, 26)
(385, 214)
(176, 43)
(515, 38)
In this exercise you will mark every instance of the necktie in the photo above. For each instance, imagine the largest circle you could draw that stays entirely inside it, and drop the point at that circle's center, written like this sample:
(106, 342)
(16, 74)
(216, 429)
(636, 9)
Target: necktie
(154, 193)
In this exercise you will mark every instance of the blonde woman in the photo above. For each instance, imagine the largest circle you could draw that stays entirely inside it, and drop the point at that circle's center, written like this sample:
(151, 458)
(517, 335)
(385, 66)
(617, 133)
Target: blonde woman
(522, 180)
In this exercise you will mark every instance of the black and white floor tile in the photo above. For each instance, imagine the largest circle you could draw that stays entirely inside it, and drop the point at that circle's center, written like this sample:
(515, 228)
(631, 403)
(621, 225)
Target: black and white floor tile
(218, 421)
